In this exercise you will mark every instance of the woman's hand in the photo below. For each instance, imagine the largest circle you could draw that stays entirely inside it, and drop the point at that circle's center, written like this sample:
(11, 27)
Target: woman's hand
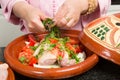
(34, 19)
(69, 13)
(32, 16)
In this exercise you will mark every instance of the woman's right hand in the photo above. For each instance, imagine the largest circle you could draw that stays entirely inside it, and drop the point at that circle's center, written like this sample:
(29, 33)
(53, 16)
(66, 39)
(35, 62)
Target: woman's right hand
(32, 16)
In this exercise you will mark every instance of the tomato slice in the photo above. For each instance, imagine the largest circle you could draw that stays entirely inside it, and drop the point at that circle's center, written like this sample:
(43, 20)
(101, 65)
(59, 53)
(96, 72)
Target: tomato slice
(25, 55)
(31, 39)
(73, 41)
(70, 46)
(74, 47)
(32, 61)
(41, 37)
(78, 49)
(52, 40)
(27, 49)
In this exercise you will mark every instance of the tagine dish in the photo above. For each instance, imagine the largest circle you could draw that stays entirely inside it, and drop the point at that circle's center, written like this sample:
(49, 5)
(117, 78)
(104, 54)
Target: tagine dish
(104, 35)
(48, 56)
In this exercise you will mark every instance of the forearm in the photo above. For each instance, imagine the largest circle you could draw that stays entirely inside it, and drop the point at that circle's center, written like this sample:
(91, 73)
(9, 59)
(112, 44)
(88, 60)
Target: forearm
(84, 6)
(20, 9)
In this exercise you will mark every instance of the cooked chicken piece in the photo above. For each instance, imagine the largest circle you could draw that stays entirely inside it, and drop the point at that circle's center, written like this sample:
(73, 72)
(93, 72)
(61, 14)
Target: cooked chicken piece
(82, 56)
(66, 61)
(47, 58)
(3, 71)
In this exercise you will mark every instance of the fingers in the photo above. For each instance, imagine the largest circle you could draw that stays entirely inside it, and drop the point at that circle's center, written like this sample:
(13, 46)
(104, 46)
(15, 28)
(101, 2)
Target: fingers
(68, 20)
(36, 26)
(68, 14)
(70, 23)
(43, 17)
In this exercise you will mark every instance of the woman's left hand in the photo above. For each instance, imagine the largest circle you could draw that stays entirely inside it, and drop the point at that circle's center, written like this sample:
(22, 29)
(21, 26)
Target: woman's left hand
(69, 13)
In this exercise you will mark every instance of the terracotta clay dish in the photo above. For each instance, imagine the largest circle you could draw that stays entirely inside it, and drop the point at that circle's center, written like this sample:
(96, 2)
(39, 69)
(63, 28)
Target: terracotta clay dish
(13, 48)
(102, 36)
(10, 74)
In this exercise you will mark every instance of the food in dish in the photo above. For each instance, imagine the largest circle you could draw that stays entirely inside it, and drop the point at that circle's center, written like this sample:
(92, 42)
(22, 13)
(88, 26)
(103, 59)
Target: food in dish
(3, 71)
(51, 51)
(13, 49)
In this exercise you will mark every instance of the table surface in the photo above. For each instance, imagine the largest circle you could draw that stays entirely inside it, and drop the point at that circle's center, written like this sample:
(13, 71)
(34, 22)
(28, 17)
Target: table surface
(103, 70)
